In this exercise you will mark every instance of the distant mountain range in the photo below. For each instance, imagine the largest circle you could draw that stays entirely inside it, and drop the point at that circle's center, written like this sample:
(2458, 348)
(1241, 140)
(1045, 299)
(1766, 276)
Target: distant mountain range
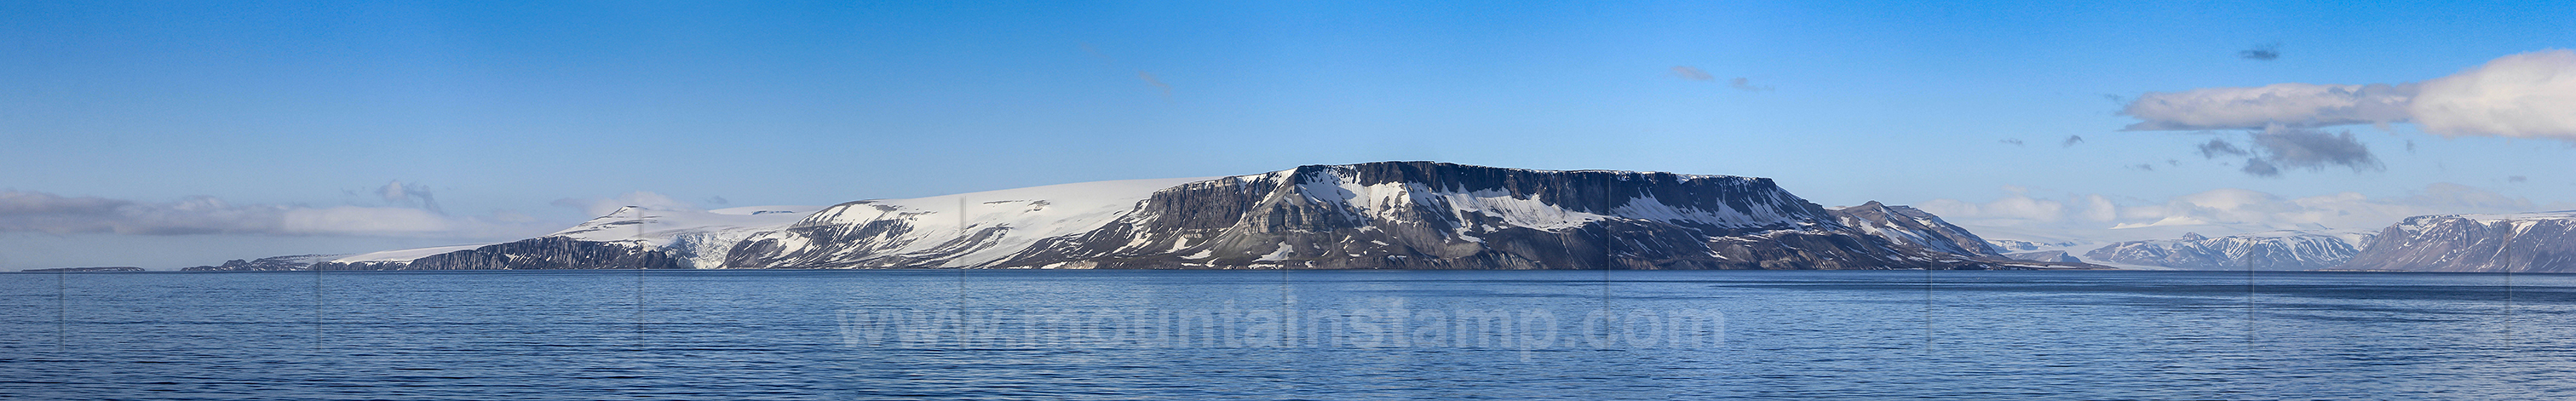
(2524, 242)
(1423, 215)
(273, 263)
(87, 269)
(2270, 250)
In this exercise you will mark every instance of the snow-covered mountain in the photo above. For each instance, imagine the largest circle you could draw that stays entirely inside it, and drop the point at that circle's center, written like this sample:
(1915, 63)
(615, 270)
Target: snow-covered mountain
(2045, 256)
(2269, 250)
(1392, 215)
(977, 230)
(1907, 225)
(699, 238)
(2523, 242)
(2015, 245)
(1388, 215)
(628, 237)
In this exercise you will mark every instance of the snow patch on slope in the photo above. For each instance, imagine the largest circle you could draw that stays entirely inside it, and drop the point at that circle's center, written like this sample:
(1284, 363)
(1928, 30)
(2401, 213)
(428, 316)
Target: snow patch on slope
(1022, 217)
(2491, 219)
(700, 237)
(661, 227)
(1389, 200)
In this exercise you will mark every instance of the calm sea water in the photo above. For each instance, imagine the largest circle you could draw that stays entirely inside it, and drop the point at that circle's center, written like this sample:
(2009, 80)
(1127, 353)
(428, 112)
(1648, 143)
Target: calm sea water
(1292, 335)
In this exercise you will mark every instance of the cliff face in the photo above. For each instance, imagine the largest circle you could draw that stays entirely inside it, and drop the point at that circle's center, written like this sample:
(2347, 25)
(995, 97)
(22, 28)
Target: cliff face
(1394, 215)
(273, 263)
(2528, 242)
(2273, 250)
(531, 254)
(1446, 216)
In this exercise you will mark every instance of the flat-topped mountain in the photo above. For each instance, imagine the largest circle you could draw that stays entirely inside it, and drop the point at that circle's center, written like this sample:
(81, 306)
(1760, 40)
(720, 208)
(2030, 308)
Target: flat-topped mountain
(1393, 215)
(1387, 215)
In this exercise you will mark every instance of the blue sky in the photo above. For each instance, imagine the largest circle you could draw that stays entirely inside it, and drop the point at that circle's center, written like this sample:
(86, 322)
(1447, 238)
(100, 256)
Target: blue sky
(510, 113)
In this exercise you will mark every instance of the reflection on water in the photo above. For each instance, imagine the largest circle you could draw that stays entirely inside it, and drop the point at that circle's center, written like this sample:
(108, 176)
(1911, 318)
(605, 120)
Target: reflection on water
(1299, 334)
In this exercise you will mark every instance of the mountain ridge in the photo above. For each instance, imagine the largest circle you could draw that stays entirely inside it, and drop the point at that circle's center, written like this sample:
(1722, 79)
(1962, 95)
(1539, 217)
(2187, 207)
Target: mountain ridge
(2268, 250)
(1382, 215)
(2540, 242)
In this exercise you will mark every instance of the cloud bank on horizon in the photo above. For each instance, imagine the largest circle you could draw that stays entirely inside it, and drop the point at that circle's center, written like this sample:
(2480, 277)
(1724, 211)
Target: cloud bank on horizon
(22, 211)
(409, 212)
(643, 199)
(2528, 95)
(2242, 208)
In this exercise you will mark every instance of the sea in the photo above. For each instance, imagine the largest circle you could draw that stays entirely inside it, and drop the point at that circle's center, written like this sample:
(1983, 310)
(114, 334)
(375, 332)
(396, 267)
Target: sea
(1270, 334)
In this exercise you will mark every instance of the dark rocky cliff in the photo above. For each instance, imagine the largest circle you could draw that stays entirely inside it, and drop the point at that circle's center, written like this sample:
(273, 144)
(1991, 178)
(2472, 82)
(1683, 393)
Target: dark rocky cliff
(273, 263)
(531, 254)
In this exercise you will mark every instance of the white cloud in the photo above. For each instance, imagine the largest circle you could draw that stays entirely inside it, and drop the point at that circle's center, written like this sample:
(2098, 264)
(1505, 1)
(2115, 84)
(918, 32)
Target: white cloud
(2014, 207)
(602, 207)
(353, 220)
(2530, 95)
(2295, 105)
(2218, 211)
(2099, 208)
(414, 195)
(22, 211)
